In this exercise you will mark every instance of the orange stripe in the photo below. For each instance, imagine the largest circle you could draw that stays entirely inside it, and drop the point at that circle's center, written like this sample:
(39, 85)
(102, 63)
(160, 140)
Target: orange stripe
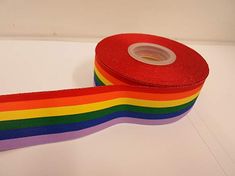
(109, 77)
(86, 99)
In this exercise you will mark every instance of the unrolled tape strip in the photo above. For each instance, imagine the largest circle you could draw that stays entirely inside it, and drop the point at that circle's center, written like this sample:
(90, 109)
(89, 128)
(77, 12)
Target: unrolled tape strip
(141, 79)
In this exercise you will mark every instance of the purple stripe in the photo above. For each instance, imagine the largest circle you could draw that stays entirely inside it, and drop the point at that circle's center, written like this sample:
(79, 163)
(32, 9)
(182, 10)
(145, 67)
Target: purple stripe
(43, 139)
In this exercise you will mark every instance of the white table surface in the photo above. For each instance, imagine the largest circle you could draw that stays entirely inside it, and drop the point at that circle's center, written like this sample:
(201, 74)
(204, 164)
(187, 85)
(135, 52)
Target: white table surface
(200, 144)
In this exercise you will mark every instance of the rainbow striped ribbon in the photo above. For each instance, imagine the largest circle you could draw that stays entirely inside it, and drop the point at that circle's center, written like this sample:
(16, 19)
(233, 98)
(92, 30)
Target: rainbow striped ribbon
(44, 117)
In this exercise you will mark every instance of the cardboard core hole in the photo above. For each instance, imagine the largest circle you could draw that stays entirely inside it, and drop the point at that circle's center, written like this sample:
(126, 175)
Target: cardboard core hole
(150, 53)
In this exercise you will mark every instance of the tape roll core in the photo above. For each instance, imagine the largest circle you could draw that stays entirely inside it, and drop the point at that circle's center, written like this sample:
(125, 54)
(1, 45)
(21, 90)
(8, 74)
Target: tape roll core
(152, 54)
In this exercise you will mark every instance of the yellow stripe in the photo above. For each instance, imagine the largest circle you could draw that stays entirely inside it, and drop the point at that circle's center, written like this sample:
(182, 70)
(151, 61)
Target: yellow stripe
(102, 78)
(68, 110)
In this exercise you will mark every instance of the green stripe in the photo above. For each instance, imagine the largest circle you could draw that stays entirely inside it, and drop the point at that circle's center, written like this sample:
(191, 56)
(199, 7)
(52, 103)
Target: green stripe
(45, 121)
(100, 83)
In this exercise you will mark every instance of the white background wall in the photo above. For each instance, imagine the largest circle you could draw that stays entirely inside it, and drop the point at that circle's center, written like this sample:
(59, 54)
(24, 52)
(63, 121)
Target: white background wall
(212, 20)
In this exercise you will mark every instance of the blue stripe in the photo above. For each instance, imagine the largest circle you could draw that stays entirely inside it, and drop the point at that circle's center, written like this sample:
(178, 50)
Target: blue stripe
(17, 133)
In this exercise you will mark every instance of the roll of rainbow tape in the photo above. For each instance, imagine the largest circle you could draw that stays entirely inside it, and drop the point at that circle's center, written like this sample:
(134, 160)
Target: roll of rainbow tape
(141, 79)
